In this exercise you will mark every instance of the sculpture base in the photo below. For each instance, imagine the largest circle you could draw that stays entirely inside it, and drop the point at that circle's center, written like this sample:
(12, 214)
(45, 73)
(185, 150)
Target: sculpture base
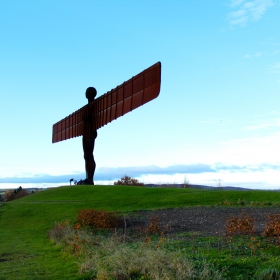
(85, 182)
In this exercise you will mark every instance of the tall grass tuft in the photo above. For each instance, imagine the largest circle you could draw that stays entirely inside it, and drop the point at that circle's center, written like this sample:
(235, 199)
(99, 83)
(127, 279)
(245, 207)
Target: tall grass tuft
(114, 259)
(268, 274)
(111, 258)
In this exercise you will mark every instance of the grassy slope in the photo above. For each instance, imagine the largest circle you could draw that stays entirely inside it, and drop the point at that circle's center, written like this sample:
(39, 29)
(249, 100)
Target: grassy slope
(28, 254)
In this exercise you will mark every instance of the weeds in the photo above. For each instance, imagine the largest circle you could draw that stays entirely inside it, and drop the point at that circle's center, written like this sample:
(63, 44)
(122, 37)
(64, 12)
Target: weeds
(154, 256)
(59, 232)
(254, 244)
(112, 258)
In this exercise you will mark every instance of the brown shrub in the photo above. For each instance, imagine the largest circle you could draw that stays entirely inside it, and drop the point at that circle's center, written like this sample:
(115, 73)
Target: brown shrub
(272, 227)
(242, 224)
(98, 219)
(152, 228)
(154, 225)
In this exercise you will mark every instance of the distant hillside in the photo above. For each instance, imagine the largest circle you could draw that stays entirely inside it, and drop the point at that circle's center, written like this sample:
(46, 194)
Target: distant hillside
(195, 186)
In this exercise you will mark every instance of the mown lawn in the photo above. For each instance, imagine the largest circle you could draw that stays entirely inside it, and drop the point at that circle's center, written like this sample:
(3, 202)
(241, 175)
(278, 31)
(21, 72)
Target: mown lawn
(26, 252)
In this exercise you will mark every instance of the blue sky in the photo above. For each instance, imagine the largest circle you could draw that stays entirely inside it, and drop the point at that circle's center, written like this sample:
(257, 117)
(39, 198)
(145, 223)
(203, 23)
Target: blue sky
(216, 120)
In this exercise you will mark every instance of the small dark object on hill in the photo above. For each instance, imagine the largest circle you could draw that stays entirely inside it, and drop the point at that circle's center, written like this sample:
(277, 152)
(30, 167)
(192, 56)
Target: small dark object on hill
(74, 181)
(128, 181)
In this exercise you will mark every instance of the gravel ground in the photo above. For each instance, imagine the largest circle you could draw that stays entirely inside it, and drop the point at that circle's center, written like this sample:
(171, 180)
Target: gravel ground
(205, 221)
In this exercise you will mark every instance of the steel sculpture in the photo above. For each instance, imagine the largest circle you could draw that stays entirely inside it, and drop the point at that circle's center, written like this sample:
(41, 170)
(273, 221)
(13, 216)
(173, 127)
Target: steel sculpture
(85, 122)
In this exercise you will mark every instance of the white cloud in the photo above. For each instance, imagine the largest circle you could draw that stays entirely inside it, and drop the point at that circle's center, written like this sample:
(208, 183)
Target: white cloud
(258, 54)
(275, 68)
(235, 3)
(273, 113)
(246, 11)
(251, 151)
(273, 123)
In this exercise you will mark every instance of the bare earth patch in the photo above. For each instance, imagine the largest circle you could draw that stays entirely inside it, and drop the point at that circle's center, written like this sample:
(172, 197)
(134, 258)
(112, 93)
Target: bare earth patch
(206, 221)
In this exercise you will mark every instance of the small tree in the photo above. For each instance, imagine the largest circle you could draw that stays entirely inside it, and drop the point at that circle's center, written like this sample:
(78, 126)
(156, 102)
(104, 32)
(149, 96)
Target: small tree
(128, 181)
(186, 183)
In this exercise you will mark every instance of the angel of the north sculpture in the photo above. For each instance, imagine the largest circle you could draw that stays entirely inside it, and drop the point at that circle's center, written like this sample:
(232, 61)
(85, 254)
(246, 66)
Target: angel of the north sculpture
(130, 95)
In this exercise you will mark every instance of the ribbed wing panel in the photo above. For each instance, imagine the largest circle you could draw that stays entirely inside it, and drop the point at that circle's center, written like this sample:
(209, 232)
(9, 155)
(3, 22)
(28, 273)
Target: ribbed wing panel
(132, 94)
(69, 127)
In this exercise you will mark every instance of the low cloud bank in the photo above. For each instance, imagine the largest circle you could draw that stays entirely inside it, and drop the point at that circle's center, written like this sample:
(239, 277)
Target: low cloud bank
(112, 173)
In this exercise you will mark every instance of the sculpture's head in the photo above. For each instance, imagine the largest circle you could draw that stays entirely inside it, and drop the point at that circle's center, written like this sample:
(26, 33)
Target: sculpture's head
(90, 94)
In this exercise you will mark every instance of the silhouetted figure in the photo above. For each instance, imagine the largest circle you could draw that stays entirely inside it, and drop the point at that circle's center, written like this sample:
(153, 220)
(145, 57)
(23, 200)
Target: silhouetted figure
(89, 135)
(117, 102)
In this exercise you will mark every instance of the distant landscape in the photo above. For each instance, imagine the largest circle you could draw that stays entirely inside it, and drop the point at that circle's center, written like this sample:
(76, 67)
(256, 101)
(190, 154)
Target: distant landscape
(154, 186)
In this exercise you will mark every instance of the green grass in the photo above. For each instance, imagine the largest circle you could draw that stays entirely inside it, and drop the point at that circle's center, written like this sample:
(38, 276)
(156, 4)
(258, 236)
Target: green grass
(124, 198)
(26, 252)
(242, 256)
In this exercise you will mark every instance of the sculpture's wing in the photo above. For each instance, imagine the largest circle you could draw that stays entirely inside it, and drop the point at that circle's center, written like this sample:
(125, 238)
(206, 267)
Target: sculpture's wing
(133, 93)
(69, 127)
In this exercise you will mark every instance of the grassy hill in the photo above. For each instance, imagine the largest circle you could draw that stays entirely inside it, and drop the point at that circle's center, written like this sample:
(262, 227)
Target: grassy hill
(26, 252)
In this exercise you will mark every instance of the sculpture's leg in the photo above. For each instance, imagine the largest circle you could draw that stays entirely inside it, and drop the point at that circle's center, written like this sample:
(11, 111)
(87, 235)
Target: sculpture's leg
(88, 146)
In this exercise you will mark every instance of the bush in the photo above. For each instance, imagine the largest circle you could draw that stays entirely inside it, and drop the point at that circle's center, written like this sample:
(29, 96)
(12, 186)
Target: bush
(15, 194)
(272, 227)
(242, 224)
(154, 225)
(98, 219)
(128, 181)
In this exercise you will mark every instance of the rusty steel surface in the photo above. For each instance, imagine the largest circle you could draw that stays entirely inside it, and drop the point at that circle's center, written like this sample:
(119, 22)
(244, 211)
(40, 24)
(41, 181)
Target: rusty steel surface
(130, 95)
